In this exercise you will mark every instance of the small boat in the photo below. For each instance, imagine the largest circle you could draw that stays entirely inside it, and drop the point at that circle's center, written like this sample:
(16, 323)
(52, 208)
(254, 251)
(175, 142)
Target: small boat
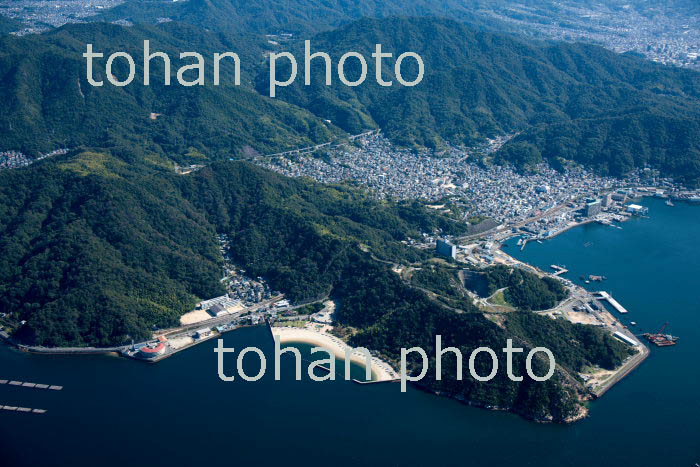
(633, 323)
(669, 203)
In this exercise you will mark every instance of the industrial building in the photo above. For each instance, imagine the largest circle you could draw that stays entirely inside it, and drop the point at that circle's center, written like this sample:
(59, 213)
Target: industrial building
(217, 310)
(445, 248)
(625, 339)
(219, 305)
(607, 201)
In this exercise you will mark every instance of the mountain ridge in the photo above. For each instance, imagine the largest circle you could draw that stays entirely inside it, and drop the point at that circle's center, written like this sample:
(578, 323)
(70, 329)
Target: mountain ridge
(479, 84)
(49, 102)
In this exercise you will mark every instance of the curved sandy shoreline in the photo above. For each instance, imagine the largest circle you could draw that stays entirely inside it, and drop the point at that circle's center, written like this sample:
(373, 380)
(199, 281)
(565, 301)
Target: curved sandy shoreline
(381, 371)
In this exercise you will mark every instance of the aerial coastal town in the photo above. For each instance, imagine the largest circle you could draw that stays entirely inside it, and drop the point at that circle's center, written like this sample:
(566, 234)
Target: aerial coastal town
(461, 183)
(529, 207)
(453, 177)
(458, 182)
(509, 248)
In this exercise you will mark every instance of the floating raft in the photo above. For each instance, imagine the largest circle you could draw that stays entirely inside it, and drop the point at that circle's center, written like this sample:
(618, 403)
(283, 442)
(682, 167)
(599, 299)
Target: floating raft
(13, 408)
(25, 384)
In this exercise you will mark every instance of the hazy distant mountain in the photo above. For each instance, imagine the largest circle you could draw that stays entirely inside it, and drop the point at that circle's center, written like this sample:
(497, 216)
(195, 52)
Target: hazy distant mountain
(305, 16)
(667, 32)
(295, 16)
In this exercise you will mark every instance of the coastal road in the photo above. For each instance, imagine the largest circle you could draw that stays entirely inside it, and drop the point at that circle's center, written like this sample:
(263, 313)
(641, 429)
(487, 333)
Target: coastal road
(624, 370)
(166, 332)
(219, 320)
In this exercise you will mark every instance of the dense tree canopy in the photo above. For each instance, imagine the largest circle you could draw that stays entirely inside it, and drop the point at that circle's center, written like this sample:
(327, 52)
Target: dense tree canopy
(524, 289)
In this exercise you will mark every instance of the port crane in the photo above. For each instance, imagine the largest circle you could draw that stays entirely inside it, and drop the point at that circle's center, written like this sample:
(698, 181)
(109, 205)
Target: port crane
(661, 339)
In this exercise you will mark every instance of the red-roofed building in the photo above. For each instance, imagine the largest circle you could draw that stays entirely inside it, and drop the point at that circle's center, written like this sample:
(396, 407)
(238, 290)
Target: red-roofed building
(149, 353)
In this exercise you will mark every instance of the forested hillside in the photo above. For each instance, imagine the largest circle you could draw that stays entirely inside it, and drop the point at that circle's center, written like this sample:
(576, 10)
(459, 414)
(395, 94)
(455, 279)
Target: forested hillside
(301, 235)
(91, 255)
(8, 25)
(524, 289)
(95, 248)
(295, 16)
(48, 102)
(390, 315)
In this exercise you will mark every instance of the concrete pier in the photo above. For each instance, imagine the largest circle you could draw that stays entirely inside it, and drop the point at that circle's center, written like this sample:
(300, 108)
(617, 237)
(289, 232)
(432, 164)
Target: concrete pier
(614, 303)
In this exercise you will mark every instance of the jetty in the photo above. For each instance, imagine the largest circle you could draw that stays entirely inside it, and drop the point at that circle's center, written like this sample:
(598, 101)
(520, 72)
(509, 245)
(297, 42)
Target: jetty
(608, 298)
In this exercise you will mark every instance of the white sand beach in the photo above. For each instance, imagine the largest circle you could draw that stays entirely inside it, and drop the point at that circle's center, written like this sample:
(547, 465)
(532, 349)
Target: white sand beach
(381, 371)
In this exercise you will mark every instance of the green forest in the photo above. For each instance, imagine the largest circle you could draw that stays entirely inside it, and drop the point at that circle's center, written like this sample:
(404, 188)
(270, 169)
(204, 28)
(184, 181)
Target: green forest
(390, 314)
(95, 250)
(524, 289)
(49, 104)
(8, 24)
